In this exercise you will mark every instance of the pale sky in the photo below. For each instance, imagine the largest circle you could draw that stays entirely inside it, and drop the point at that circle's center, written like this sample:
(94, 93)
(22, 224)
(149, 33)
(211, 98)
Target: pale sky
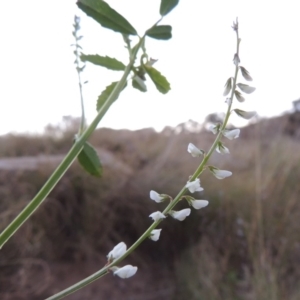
(38, 81)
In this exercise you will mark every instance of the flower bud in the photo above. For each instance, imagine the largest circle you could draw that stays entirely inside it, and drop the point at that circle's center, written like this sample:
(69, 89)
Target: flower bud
(228, 86)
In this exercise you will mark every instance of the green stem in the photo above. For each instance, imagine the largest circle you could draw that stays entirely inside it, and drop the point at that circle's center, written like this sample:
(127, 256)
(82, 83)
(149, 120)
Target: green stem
(172, 204)
(67, 161)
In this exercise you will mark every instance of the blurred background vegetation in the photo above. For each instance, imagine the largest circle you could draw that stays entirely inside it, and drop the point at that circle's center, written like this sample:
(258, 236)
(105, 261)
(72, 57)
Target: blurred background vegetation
(244, 245)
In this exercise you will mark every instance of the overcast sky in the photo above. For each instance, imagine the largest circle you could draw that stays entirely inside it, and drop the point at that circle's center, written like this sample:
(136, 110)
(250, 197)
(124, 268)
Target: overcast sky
(38, 81)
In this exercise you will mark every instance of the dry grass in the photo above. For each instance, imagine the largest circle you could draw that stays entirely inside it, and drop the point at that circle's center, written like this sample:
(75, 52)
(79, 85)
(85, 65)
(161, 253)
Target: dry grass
(244, 245)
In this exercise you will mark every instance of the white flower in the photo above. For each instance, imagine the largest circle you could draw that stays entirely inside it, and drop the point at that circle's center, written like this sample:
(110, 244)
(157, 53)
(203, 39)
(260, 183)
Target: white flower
(156, 196)
(157, 216)
(213, 128)
(245, 114)
(117, 252)
(197, 204)
(246, 88)
(125, 272)
(232, 134)
(222, 149)
(181, 214)
(220, 174)
(194, 186)
(195, 152)
(154, 235)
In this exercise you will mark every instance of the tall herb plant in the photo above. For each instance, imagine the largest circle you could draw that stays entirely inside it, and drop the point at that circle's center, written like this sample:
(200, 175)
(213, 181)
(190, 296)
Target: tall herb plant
(138, 68)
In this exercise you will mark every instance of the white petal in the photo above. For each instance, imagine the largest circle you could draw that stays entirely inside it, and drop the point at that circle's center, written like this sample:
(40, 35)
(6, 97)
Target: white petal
(181, 214)
(197, 204)
(245, 114)
(126, 271)
(246, 88)
(117, 252)
(213, 129)
(221, 174)
(156, 197)
(195, 152)
(232, 134)
(154, 235)
(222, 149)
(194, 186)
(157, 216)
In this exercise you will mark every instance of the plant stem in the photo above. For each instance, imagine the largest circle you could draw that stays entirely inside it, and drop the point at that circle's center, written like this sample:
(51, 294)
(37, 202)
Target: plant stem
(172, 204)
(67, 161)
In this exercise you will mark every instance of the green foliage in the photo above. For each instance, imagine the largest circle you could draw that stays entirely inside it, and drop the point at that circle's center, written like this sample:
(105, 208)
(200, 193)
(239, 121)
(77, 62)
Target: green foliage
(160, 32)
(166, 6)
(159, 80)
(101, 12)
(89, 160)
(105, 94)
(104, 61)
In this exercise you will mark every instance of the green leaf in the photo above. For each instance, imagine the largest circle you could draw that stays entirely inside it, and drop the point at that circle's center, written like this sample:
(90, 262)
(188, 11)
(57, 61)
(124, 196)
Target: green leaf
(89, 160)
(139, 84)
(166, 6)
(161, 32)
(104, 61)
(159, 80)
(106, 93)
(101, 12)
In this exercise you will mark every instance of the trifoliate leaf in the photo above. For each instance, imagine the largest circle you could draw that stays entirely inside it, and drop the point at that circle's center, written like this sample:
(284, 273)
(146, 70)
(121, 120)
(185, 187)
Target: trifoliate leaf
(239, 96)
(101, 12)
(159, 80)
(246, 88)
(106, 93)
(139, 84)
(245, 114)
(166, 6)
(228, 85)
(104, 61)
(245, 74)
(89, 160)
(161, 32)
